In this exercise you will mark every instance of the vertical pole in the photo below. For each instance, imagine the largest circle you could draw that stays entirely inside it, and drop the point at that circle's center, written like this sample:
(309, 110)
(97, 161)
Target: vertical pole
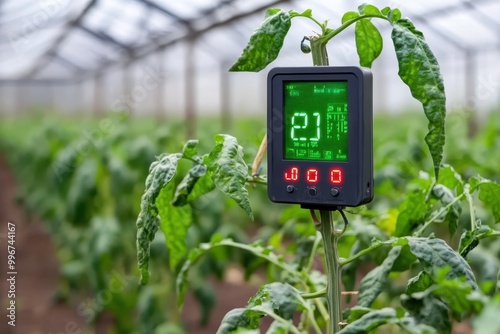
(98, 95)
(225, 94)
(470, 86)
(190, 89)
(78, 99)
(127, 87)
(160, 90)
(20, 99)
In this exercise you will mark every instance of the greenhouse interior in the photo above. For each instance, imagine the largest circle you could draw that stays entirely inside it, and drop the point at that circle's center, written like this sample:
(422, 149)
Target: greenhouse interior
(265, 166)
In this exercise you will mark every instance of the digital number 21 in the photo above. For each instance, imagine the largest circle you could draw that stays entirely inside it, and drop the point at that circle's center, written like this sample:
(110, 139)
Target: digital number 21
(302, 117)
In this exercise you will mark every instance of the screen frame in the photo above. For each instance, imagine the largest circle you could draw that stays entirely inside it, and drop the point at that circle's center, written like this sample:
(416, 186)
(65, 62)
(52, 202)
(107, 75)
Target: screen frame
(278, 115)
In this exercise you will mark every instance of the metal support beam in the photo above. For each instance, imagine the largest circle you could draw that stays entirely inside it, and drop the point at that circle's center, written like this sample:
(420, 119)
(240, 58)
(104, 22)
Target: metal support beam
(160, 90)
(98, 96)
(49, 54)
(165, 11)
(190, 95)
(68, 64)
(105, 38)
(225, 97)
(470, 89)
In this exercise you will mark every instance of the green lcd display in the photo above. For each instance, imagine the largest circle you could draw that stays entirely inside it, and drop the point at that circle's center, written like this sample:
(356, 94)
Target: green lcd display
(316, 116)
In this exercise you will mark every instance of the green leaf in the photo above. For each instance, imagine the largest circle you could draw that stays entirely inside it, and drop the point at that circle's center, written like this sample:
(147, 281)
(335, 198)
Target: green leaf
(449, 178)
(357, 312)
(394, 15)
(283, 299)
(419, 283)
(229, 171)
(377, 318)
(306, 13)
(239, 318)
(413, 214)
(187, 185)
(271, 12)
(161, 173)
(435, 254)
(470, 239)
(349, 16)
(458, 295)
(405, 260)
(366, 9)
(487, 321)
(425, 297)
(428, 310)
(446, 197)
(189, 149)
(265, 43)
(419, 69)
(277, 328)
(276, 299)
(489, 194)
(174, 223)
(368, 42)
(376, 280)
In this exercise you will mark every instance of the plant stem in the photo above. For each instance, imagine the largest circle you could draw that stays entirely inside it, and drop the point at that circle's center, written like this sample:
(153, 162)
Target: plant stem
(333, 271)
(471, 207)
(314, 250)
(318, 51)
(439, 213)
(288, 325)
(317, 294)
(365, 251)
(337, 31)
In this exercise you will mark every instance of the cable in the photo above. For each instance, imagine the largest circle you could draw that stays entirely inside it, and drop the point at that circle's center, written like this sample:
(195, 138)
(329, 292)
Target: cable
(317, 222)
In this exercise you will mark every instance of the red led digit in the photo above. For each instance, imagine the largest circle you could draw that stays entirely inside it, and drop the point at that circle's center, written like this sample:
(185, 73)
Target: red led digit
(336, 176)
(292, 174)
(312, 175)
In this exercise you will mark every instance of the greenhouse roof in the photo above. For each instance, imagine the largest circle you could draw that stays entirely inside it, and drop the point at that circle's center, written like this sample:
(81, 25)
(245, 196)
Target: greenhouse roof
(68, 40)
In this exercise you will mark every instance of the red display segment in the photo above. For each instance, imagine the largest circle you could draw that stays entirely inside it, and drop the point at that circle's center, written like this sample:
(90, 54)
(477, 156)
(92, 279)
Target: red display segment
(312, 175)
(292, 174)
(336, 176)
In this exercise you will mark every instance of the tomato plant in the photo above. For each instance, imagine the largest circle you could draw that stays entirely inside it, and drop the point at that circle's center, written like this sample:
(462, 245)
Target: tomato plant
(442, 286)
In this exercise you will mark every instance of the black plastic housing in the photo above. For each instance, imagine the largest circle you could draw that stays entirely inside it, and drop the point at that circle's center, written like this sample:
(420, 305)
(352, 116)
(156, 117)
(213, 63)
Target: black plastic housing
(357, 183)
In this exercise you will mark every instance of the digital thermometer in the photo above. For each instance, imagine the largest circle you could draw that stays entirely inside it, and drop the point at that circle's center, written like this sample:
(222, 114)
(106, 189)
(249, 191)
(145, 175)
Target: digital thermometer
(320, 136)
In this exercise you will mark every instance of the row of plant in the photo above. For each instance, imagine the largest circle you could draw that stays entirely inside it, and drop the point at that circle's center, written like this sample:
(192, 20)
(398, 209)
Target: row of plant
(85, 187)
(83, 179)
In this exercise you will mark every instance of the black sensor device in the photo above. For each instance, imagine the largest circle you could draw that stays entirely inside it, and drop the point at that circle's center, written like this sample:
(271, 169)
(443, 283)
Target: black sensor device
(320, 136)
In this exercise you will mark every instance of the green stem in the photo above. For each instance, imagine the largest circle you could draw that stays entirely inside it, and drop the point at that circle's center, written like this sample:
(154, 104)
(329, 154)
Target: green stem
(437, 215)
(333, 271)
(346, 24)
(365, 251)
(314, 250)
(310, 315)
(317, 294)
(256, 180)
(319, 52)
(321, 25)
(289, 326)
(471, 207)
